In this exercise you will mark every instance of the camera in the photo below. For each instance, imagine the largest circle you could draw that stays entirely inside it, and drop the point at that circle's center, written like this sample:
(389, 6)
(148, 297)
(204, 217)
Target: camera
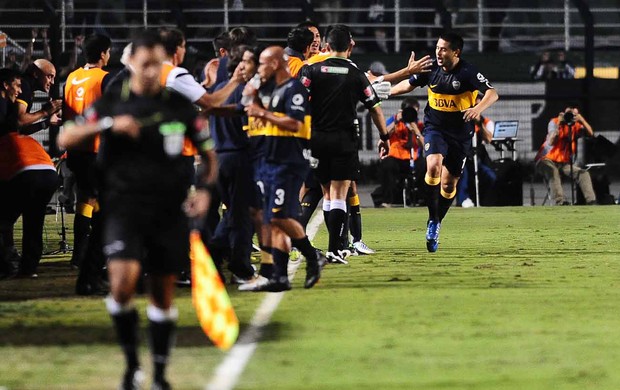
(569, 118)
(410, 114)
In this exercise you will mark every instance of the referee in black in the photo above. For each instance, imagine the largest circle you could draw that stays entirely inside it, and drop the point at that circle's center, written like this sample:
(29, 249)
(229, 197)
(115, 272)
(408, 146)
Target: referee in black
(336, 85)
(144, 198)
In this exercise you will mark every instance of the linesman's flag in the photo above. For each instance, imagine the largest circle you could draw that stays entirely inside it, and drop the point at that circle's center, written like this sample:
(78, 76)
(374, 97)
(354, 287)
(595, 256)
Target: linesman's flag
(213, 308)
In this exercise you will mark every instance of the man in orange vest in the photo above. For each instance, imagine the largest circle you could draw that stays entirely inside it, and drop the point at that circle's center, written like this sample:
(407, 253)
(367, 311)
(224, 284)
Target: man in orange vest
(84, 86)
(27, 182)
(555, 154)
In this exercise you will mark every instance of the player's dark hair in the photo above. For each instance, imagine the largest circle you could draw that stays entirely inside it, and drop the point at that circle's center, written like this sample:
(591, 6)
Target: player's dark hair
(8, 75)
(235, 56)
(171, 38)
(307, 24)
(339, 37)
(242, 36)
(409, 102)
(299, 39)
(222, 41)
(455, 40)
(94, 45)
(145, 38)
(257, 50)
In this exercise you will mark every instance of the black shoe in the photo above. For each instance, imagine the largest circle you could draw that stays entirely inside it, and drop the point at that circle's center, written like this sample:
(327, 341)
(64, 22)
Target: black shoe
(132, 380)
(97, 287)
(313, 271)
(160, 385)
(184, 279)
(276, 285)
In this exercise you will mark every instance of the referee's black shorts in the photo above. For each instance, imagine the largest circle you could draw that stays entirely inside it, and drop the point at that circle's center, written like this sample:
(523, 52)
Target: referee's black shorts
(157, 236)
(82, 164)
(337, 154)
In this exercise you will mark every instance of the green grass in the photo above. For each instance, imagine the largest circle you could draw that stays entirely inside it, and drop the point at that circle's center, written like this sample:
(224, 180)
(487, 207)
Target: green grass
(515, 298)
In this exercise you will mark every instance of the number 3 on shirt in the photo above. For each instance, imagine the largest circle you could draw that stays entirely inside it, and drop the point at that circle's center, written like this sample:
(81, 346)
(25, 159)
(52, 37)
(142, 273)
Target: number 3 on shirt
(279, 201)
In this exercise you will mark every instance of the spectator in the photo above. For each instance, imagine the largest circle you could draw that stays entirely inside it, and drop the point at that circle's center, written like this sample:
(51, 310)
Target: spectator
(564, 70)
(544, 69)
(406, 140)
(557, 154)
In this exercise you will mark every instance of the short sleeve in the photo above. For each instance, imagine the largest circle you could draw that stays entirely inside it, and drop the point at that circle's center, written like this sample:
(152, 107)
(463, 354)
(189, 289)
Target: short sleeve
(297, 102)
(367, 95)
(418, 80)
(181, 81)
(478, 80)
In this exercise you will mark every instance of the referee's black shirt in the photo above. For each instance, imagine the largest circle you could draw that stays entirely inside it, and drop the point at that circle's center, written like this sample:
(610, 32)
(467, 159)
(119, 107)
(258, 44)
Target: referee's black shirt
(336, 85)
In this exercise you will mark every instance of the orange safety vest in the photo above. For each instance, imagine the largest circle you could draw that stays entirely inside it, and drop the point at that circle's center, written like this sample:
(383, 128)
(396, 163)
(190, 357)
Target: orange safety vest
(82, 89)
(188, 148)
(559, 151)
(399, 142)
(18, 152)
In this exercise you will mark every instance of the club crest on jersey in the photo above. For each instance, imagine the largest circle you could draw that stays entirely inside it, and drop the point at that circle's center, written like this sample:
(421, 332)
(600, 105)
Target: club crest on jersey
(427, 146)
(275, 100)
(456, 84)
(334, 70)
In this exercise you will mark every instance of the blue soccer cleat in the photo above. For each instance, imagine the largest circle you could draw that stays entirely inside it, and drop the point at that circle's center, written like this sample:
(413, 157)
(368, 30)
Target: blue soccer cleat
(432, 235)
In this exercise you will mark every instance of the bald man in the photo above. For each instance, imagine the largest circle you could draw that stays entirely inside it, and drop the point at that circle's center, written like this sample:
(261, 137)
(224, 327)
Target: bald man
(286, 125)
(39, 76)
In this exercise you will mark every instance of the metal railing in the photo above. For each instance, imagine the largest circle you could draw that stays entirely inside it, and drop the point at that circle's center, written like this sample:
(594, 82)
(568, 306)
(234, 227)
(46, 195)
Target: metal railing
(556, 24)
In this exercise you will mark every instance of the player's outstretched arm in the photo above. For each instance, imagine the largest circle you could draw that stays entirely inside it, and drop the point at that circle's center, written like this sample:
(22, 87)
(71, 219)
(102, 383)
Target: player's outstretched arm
(283, 122)
(423, 65)
(376, 114)
(401, 88)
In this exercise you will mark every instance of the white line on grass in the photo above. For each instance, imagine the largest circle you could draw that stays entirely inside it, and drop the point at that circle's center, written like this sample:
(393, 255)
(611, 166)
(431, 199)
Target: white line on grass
(228, 372)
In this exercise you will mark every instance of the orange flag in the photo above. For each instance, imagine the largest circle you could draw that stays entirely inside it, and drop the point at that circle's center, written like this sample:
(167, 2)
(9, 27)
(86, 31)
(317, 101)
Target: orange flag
(213, 308)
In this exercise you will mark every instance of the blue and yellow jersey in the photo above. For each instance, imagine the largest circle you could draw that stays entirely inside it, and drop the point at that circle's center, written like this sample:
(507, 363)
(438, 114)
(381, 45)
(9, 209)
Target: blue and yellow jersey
(284, 146)
(450, 93)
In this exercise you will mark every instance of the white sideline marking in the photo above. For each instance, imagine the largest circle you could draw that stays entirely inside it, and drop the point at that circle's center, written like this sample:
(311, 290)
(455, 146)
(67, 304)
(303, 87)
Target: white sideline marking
(228, 372)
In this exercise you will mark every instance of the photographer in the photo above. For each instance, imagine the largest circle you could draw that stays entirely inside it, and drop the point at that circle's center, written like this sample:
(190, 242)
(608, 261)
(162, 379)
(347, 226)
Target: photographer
(405, 143)
(558, 150)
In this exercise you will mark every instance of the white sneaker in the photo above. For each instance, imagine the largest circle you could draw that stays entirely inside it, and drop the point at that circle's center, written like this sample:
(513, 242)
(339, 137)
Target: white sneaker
(335, 259)
(255, 284)
(467, 203)
(361, 247)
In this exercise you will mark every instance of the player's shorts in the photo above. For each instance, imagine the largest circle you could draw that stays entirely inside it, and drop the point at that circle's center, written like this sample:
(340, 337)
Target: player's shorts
(158, 238)
(454, 150)
(282, 191)
(257, 200)
(82, 164)
(337, 155)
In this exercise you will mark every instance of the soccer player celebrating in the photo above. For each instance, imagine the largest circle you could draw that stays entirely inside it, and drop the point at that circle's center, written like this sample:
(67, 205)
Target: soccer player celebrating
(286, 126)
(144, 195)
(449, 119)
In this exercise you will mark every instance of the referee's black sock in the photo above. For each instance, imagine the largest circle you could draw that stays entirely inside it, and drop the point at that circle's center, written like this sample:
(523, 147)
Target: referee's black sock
(306, 249)
(336, 225)
(162, 324)
(81, 229)
(432, 196)
(125, 319)
(280, 260)
(445, 201)
(326, 206)
(355, 218)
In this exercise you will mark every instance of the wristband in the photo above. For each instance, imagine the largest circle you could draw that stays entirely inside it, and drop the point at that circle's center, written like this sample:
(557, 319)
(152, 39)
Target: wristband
(384, 137)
